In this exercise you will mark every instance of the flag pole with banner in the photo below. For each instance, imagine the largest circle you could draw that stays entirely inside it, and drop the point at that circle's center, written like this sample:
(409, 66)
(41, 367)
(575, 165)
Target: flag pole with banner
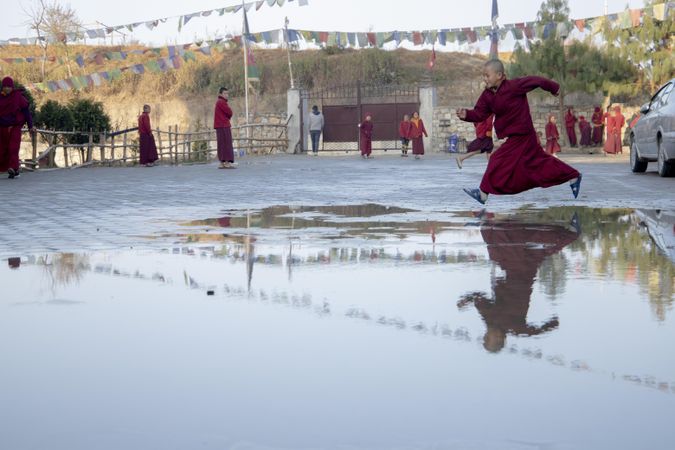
(494, 33)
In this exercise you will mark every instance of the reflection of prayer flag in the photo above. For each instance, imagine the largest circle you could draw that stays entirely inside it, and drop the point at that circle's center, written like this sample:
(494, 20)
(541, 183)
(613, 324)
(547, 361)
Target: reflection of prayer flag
(417, 38)
(372, 40)
(432, 59)
(580, 24)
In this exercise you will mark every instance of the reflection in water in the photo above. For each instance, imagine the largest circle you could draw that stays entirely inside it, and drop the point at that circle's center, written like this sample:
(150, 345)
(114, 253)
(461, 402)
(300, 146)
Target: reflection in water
(519, 250)
(65, 268)
(14, 263)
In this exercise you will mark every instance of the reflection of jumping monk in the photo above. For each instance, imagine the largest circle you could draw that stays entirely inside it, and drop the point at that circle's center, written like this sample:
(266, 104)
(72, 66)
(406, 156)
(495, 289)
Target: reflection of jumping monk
(519, 250)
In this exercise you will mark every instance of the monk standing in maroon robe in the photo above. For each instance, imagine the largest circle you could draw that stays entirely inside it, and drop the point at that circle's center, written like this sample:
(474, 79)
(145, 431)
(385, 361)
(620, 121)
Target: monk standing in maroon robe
(615, 122)
(585, 130)
(483, 142)
(520, 163)
(596, 119)
(14, 112)
(552, 136)
(570, 121)
(146, 144)
(404, 134)
(366, 136)
(221, 123)
(417, 130)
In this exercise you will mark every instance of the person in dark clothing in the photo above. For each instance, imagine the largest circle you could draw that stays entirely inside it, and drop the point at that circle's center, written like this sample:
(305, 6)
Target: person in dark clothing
(14, 113)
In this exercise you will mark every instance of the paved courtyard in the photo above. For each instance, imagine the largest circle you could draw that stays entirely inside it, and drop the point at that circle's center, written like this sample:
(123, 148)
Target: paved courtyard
(114, 207)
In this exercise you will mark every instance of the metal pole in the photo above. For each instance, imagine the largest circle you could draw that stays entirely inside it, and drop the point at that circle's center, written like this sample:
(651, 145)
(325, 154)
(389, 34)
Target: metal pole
(288, 51)
(244, 38)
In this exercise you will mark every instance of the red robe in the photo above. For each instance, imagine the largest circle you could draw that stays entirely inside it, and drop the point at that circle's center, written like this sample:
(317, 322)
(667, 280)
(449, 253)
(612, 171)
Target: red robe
(416, 133)
(570, 120)
(221, 122)
(483, 141)
(404, 129)
(146, 144)
(596, 119)
(552, 136)
(14, 112)
(585, 129)
(366, 134)
(519, 164)
(614, 124)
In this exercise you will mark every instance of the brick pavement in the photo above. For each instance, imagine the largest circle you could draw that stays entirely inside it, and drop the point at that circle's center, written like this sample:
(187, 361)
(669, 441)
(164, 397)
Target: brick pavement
(92, 208)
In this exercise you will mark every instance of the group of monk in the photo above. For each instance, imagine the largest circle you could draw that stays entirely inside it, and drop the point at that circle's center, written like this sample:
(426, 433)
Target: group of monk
(410, 130)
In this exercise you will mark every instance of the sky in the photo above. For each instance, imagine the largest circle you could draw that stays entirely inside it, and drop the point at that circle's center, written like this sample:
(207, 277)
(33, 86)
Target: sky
(319, 15)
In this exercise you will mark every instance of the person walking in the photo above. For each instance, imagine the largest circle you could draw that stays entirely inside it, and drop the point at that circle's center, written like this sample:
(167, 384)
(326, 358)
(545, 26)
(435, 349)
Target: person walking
(316, 123)
(552, 136)
(585, 131)
(221, 123)
(483, 142)
(404, 134)
(597, 121)
(14, 113)
(570, 122)
(519, 164)
(146, 141)
(615, 123)
(366, 136)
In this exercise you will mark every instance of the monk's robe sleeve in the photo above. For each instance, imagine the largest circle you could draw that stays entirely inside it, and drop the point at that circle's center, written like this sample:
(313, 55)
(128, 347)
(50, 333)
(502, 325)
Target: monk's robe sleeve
(481, 111)
(527, 84)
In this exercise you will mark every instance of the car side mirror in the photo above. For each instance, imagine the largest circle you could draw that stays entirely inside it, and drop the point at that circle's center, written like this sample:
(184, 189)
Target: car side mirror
(644, 109)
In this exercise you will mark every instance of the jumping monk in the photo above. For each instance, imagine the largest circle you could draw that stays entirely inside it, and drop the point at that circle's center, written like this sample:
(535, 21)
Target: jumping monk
(615, 121)
(520, 163)
(14, 112)
(404, 134)
(483, 142)
(519, 250)
(585, 130)
(146, 144)
(597, 121)
(366, 136)
(552, 136)
(416, 131)
(221, 122)
(570, 121)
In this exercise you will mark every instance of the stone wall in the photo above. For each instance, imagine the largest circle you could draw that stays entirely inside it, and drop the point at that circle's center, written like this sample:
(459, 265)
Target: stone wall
(445, 122)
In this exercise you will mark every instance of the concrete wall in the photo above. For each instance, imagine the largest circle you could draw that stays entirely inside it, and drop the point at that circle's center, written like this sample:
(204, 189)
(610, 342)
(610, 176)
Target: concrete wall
(294, 111)
(427, 106)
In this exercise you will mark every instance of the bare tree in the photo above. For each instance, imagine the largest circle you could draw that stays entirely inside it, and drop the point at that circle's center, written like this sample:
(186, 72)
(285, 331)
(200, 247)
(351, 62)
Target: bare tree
(53, 23)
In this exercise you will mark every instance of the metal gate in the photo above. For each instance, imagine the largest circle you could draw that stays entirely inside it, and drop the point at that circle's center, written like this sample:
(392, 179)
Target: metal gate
(344, 107)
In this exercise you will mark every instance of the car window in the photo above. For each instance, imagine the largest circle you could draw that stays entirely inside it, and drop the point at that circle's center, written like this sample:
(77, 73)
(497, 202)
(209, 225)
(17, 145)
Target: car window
(666, 94)
(655, 102)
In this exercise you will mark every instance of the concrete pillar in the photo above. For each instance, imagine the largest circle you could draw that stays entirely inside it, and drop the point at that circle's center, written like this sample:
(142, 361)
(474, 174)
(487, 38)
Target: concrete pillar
(427, 105)
(294, 110)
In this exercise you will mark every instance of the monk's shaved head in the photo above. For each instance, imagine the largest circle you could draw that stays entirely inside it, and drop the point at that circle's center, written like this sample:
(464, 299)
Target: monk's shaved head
(496, 65)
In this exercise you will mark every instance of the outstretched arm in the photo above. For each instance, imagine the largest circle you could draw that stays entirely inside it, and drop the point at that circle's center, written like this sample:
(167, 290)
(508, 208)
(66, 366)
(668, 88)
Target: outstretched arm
(527, 84)
(479, 113)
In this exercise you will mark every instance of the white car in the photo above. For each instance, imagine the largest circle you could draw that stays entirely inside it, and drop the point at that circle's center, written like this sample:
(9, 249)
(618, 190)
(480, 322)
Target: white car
(653, 136)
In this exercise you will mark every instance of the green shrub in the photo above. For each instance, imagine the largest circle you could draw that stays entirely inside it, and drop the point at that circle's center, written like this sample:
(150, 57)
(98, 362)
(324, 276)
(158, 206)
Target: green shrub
(54, 116)
(88, 115)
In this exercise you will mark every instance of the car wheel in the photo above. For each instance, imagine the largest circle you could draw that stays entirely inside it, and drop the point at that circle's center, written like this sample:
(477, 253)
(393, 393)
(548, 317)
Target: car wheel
(637, 164)
(666, 169)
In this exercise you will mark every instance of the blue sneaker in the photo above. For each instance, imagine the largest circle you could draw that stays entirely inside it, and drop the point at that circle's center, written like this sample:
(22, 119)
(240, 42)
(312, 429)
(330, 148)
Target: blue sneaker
(475, 194)
(576, 187)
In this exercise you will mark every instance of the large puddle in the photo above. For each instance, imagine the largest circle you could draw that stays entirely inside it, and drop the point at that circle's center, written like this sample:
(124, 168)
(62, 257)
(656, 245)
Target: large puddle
(354, 327)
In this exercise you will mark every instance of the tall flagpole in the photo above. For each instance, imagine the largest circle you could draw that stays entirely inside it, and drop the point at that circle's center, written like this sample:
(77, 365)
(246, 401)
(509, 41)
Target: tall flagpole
(244, 38)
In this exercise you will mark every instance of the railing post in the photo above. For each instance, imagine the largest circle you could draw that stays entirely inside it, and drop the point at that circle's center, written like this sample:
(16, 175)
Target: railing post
(33, 141)
(159, 141)
(175, 161)
(101, 142)
(52, 141)
(90, 147)
(112, 150)
(124, 149)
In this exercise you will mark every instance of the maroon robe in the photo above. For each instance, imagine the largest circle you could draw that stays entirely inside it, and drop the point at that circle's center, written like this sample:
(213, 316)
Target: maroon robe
(614, 124)
(147, 147)
(14, 112)
(366, 137)
(552, 136)
(416, 133)
(223, 127)
(585, 129)
(519, 164)
(483, 141)
(513, 246)
(570, 120)
(596, 118)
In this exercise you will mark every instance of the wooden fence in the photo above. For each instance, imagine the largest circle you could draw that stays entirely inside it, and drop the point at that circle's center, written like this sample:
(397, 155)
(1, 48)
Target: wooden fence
(173, 146)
